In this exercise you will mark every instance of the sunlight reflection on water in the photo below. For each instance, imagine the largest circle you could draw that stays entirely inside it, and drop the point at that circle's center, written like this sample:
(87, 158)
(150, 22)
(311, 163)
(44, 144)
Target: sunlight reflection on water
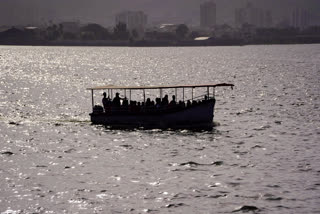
(261, 155)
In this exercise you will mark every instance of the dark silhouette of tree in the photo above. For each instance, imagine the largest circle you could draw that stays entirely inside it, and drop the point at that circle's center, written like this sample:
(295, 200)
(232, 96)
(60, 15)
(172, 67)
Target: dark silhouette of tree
(87, 35)
(53, 33)
(312, 30)
(60, 29)
(134, 34)
(96, 32)
(182, 31)
(120, 31)
(69, 36)
(14, 35)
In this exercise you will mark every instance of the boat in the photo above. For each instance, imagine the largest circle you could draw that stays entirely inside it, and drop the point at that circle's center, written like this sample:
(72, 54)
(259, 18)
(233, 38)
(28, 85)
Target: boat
(194, 113)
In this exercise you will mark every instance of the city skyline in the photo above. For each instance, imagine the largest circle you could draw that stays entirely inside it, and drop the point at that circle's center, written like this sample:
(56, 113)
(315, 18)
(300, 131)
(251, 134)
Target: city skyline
(15, 12)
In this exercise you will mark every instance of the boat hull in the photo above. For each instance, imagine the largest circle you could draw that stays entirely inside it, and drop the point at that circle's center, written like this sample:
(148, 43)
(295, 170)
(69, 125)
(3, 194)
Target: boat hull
(199, 116)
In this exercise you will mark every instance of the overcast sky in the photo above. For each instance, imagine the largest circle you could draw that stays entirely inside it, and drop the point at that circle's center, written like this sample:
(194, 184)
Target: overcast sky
(166, 11)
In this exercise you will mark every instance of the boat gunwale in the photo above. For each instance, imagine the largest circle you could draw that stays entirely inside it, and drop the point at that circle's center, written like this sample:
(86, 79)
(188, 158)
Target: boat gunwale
(154, 111)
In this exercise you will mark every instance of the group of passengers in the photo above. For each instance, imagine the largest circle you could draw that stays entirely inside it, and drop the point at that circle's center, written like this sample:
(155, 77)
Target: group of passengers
(149, 106)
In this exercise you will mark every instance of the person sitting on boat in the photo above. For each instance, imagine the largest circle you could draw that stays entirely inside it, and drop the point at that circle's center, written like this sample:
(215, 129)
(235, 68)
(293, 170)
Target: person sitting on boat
(133, 106)
(188, 103)
(105, 102)
(130, 108)
(173, 101)
(138, 109)
(181, 104)
(158, 102)
(148, 103)
(165, 100)
(116, 100)
(125, 102)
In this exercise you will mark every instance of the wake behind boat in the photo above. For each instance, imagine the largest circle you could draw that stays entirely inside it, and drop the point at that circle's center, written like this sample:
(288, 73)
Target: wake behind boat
(124, 112)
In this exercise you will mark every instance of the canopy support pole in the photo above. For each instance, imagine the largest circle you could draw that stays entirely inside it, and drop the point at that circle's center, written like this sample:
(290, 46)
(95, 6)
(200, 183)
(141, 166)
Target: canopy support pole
(176, 93)
(92, 99)
(192, 95)
(144, 95)
(208, 92)
(183, 94)
(130, 95)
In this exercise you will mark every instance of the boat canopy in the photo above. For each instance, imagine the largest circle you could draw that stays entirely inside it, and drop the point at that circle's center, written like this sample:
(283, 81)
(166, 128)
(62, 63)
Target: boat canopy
(159, 87)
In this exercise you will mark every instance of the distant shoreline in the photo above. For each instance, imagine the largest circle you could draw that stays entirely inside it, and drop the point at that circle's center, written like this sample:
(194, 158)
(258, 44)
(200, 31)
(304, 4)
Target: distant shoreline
(96, 35)
(103, 43)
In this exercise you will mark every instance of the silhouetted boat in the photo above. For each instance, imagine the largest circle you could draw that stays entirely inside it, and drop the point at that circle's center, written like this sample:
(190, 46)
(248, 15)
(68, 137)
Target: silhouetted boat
(195, 113)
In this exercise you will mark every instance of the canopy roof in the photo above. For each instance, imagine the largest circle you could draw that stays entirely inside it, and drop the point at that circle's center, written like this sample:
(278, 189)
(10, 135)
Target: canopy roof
(158, 87)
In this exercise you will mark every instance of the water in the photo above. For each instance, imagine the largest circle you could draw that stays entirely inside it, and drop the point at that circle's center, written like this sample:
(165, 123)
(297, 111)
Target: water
(262, 157)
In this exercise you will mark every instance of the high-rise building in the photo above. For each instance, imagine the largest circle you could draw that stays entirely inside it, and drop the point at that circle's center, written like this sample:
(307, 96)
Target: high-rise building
(300, 18)
(246, 15)
(239, 17)
(208, 14)
(253, 16)
(135, 20)
(268, 19)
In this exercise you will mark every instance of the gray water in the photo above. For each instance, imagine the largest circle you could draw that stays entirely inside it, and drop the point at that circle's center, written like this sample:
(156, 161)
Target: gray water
(262, 156)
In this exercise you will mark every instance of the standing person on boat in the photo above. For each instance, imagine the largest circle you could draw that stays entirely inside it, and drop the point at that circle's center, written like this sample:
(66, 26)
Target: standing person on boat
(105, 102)
(116, 100)
(165, 101)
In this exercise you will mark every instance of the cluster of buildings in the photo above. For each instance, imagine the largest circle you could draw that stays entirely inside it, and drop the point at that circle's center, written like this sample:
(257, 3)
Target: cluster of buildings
(247, 15)
(137, 20)
(134, 20)
(300, 18)
(253, 16)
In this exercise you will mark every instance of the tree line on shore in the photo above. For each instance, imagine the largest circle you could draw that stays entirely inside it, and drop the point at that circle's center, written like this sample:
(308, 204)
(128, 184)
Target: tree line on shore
(120, 35)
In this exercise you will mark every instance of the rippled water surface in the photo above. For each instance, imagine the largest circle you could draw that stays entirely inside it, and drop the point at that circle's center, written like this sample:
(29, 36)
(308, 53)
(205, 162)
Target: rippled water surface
(262, 157)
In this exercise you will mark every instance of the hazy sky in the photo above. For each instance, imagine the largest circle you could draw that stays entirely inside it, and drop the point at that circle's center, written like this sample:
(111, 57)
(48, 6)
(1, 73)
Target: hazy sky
(165, 11)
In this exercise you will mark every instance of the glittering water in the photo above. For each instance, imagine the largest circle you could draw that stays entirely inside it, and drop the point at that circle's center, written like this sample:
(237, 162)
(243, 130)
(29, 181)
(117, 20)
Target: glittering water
(263, 157)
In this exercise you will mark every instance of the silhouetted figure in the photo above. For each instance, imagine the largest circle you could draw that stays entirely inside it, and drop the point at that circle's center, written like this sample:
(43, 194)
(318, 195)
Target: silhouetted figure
(133, 106)
(173, 101)
(125, 102)
(165, 100)
(139, 107)
(116, 100)
(181, 104)
(148, 103)
(188, 103)
(97, 109)
(158, 103)
(106, 102)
